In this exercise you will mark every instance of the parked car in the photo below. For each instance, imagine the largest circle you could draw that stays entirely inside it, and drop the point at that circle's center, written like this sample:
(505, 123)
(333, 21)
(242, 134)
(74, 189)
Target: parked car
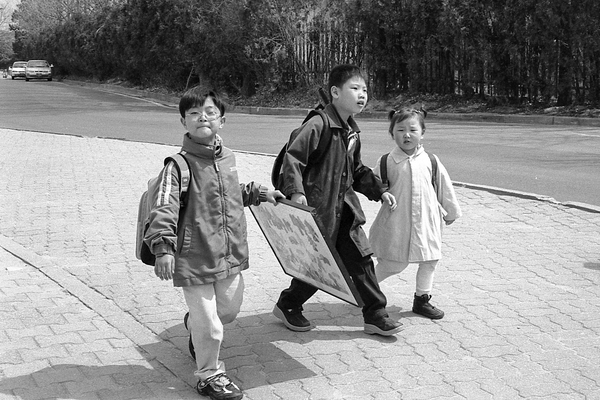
(18, 69)
(38, 69)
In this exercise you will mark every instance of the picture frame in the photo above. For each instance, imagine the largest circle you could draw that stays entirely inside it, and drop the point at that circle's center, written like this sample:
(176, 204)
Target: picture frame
(301, 249)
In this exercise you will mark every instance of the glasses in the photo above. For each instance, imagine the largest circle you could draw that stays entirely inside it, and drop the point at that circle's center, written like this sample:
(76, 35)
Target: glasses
(209, 114)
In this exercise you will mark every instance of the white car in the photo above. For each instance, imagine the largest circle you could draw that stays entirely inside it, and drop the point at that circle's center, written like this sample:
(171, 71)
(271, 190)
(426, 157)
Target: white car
(18, 69)
(38, 69)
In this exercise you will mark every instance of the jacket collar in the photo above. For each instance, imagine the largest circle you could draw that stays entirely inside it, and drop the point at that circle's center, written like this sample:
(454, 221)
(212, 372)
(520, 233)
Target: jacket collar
(201, 150)
(336, 120)
(398, 155)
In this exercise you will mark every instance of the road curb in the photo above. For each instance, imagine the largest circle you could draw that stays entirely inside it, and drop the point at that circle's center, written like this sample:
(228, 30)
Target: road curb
(528, 196)
(467, 117)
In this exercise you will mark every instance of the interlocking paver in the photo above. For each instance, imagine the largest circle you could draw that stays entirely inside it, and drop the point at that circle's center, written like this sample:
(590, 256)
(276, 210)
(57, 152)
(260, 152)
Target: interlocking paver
(82, 318)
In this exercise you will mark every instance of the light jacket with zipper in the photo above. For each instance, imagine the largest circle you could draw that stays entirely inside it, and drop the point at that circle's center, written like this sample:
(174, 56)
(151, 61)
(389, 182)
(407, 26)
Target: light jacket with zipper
(209, 237)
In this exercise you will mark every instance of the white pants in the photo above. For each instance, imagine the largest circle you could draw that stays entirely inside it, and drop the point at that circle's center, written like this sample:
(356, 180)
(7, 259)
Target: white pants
(211, 306)
(425, 273)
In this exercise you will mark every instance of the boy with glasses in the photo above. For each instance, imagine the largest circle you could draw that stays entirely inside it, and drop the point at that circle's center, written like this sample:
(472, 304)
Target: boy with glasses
(202, 245)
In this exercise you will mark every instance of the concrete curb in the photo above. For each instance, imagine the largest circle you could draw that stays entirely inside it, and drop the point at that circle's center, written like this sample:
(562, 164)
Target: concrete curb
(467, 117)
(529, 196)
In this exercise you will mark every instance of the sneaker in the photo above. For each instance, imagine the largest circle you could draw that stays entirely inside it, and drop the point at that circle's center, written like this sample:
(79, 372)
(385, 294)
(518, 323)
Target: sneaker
(219, 387)
(422, 307)
(384, 327)
(190, 343)
(292, 319)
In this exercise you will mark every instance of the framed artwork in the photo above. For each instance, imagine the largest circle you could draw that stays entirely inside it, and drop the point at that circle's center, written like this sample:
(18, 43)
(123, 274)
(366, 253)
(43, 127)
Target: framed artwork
(301, 249)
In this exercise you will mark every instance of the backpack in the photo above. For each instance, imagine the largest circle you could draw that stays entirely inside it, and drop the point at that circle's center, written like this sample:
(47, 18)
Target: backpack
(322, 147)
(142, 251)
(434, 170)
(315, 157)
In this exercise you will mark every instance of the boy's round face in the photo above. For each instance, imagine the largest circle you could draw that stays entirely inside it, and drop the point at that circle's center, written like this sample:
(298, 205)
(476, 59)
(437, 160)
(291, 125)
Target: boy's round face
(352, 97)
(408, 134)
(204, 122)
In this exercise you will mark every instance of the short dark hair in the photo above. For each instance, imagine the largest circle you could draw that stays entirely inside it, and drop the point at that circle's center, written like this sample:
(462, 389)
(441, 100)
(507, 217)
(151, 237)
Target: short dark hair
(395, 116)
(340, 74)
(196, 96)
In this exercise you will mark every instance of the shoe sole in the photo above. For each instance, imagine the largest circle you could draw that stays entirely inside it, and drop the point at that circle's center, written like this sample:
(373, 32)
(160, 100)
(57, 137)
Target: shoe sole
(430, 316)
(374, 330)
(279, 314)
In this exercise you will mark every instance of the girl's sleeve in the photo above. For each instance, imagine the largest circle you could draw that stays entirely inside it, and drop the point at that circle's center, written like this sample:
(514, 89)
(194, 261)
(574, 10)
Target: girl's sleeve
(446, 193)
(161, 236)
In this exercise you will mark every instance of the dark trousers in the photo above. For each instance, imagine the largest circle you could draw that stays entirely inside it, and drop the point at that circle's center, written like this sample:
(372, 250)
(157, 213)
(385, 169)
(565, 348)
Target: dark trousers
(360, 269)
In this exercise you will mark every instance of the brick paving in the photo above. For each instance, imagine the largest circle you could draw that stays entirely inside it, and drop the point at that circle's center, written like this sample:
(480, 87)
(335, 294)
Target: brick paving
(82, 318)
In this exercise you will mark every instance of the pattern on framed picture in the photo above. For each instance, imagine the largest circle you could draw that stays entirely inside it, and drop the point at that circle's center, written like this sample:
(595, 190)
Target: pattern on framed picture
(302, 251)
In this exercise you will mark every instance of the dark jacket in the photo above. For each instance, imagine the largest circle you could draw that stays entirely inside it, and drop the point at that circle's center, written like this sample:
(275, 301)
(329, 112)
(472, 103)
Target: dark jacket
(332, 182)
(208, 238)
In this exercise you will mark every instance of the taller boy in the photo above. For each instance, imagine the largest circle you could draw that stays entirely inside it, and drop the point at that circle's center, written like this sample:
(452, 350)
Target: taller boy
(329, 187)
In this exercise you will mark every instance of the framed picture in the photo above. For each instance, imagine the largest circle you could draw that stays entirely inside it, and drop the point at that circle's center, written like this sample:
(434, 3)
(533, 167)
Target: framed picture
(301, 249)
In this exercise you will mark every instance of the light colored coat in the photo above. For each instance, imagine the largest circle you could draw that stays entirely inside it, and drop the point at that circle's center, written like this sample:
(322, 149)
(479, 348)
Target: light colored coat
(413, 231)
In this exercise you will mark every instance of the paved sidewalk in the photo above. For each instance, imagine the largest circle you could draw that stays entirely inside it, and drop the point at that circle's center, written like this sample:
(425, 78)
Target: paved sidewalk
(82, 318)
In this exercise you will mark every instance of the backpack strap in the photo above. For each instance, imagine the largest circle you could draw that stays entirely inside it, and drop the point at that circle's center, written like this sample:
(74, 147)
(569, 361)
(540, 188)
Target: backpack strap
(434, 171)
(383, 169)
(184, 174)
(324, 139)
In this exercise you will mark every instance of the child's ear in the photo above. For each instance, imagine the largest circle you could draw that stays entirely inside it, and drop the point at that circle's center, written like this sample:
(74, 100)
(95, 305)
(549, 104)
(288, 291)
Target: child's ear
(183, 122)
(222, 122)
(334, 92)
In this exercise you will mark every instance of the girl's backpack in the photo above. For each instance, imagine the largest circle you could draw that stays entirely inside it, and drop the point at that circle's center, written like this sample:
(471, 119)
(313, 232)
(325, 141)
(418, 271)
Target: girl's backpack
(142, 251)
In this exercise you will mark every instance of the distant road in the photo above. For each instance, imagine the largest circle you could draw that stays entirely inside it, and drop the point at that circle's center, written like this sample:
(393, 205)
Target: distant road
(562, 162)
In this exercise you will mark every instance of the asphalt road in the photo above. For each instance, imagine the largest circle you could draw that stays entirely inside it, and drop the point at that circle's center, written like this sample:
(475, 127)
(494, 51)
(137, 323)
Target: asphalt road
(562, 162)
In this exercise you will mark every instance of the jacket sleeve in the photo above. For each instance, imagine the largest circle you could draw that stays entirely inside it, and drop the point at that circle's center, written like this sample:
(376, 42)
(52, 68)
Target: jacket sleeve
(161, 236)
(365, 181)
(300, 148)
(253, 193)
(446, 193)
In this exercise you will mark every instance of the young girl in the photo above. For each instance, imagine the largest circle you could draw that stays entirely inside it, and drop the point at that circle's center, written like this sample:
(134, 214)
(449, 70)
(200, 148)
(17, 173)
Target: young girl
(412, 233)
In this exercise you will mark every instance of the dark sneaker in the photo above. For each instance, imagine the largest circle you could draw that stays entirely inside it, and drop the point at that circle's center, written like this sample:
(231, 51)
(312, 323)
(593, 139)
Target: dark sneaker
(422, 307)
(384, 327)
(219, 387)
(292, 319)
(190, 343)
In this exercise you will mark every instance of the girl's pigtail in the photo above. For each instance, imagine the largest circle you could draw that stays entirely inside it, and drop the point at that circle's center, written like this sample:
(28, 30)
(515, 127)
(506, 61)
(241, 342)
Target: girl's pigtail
(391, 114)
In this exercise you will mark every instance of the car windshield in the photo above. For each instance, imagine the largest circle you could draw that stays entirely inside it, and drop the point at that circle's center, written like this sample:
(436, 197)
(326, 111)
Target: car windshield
(38, 64)
(23, 64)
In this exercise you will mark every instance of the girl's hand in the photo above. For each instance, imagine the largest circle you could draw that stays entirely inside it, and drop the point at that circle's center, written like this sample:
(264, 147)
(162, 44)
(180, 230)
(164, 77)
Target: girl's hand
(389, 198)
(273, 195)
(164, 267)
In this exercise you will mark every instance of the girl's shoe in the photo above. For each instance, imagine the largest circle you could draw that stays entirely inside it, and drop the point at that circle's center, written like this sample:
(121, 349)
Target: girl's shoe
(190, 343)
(422, 307)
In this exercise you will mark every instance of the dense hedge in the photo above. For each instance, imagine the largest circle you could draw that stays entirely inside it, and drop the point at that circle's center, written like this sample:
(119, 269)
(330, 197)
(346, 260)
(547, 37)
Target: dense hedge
(539, 51)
